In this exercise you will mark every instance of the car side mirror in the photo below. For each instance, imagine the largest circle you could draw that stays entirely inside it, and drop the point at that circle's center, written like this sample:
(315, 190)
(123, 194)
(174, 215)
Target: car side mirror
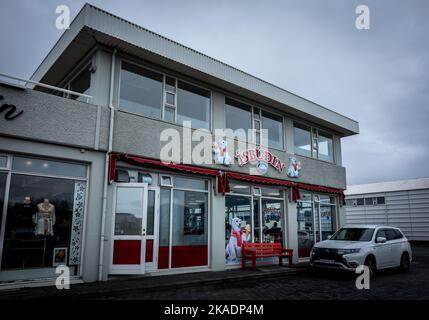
(381, 240)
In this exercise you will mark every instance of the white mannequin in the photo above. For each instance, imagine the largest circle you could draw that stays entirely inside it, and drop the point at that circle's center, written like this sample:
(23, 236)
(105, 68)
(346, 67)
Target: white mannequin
(44, 219)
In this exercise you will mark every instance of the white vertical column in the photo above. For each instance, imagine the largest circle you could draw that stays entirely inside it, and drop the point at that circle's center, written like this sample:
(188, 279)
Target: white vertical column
(217, 232)
(292, 228)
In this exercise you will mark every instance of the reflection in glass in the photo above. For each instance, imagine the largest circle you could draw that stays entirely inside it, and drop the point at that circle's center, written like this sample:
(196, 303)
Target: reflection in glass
(256, 222)
(325, 147)
(3, 161)
(129, 211)
(150, 220)
(237, 115)
(305, 225)
(164, 229)
(272, 215)
(302, 140)
(274, 124)
(189, 234)
(31, 242)
(140, 90)
(48, 167)
(81, 84)
(193, 104)
(238, 226)
(3, 176)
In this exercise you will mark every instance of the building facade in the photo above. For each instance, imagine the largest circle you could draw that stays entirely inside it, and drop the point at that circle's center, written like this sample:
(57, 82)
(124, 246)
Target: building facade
(403, 204)
(124, 171)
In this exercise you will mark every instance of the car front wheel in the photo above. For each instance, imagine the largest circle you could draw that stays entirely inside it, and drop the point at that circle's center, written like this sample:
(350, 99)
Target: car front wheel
(405, 262)
(370, 263)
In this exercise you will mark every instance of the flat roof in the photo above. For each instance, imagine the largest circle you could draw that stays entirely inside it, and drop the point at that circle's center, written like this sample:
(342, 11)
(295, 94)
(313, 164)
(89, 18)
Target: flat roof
(389, 186)
(94, 25)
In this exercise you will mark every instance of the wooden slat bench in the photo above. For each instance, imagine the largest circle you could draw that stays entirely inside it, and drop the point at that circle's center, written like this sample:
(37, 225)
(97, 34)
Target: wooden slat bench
(253, 251)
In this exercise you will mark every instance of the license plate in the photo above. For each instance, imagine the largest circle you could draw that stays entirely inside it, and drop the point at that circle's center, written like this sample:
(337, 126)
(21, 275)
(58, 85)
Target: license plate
(327, 261)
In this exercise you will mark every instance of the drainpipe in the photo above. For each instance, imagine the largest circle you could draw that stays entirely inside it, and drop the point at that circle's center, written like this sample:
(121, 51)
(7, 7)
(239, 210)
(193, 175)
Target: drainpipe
(106, 168)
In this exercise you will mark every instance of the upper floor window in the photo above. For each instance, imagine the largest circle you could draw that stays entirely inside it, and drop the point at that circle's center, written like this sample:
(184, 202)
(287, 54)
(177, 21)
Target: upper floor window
(141, 90)
(302, 137)
(80, 83)
(193, 104)
(159, 96)
(239, 115)
(312, 142)
(325, 147)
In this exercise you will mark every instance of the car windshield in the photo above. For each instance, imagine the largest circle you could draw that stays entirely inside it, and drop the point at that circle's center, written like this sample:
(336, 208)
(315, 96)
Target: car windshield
(353, 234)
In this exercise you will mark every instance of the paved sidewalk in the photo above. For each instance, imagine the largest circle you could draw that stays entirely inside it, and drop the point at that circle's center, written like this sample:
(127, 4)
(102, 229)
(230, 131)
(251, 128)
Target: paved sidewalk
(135, 284)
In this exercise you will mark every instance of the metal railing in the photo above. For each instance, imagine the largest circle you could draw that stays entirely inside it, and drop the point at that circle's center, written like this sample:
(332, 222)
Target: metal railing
(47, 86)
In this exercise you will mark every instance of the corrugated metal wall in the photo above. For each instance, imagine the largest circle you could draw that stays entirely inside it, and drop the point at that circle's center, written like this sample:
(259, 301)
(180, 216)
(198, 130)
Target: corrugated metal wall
(407, 210)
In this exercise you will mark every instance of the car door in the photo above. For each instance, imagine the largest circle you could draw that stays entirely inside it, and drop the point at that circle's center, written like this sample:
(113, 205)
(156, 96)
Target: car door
(382, 250)
(395, 243)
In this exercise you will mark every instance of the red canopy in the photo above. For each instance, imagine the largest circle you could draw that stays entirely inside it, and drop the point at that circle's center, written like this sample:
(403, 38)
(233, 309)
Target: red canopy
(223, 177)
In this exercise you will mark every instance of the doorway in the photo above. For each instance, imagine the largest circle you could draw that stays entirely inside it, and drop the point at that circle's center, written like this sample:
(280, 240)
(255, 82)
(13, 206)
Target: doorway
(135, 225)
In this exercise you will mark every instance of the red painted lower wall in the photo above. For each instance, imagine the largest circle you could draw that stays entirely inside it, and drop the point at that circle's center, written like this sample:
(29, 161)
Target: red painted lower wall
(126, 251)
(183, 256)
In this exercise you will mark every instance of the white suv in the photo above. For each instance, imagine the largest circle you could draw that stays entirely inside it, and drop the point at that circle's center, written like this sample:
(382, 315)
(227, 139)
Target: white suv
(377, 247)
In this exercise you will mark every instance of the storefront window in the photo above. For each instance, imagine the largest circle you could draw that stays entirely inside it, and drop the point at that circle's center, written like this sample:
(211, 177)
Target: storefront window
(193, 104)
(239, 188)
(164, 229)
(256, 221)
(238, 226)
(3, 176)
(48, 167)
(190, 229)
(141, 90)
(327, 216)
(128, 217)
(272, 215)
(43, 223)
(3, 161)
(305, 225)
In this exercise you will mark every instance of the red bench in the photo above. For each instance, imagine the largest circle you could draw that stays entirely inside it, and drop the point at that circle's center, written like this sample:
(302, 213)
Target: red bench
(253, 251)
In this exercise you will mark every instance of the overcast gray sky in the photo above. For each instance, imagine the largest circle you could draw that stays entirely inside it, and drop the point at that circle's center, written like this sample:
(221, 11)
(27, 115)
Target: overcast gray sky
(379, 77)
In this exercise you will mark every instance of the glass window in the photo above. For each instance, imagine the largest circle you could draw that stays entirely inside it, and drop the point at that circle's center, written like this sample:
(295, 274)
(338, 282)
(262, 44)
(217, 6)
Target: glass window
(325, 145)
(140, 90)
(169, 114)
(380, 200)
(271, 192)
(3, 176)
(150, 220)
(164, 229)
(48, 167)
(239, 188)
(81, 84)
(360, 202)
(237, 115)
(238, 226)
(353, 234)
(44, 216)
(302, 140)
(272, 216)
(327, 218)
(256, 222)
(169, 99)
(189, 229)
(193, 104)
(187, 183)
(305, 225)
(368, 201)
(129, 211)
(166, 181)
(274, 124)
(170, 84)
(3, 161)
(145, 178)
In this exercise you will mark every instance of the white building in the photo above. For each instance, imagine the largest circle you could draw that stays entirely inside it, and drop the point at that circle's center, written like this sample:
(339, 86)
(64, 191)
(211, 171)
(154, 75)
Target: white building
(402, 203)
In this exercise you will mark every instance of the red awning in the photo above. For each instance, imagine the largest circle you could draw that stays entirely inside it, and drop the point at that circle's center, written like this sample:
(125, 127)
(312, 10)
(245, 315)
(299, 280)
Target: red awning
(223, 178)
(258, 179)
(222, 186)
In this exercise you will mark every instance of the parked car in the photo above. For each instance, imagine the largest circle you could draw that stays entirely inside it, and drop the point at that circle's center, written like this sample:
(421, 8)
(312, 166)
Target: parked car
(378, 247)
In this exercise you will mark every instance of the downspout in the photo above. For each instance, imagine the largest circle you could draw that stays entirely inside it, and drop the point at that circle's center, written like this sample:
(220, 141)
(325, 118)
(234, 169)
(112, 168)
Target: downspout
(106, 168)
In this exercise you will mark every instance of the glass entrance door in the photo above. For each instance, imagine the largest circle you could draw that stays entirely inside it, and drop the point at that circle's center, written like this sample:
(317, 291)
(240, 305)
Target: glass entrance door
(130, 228)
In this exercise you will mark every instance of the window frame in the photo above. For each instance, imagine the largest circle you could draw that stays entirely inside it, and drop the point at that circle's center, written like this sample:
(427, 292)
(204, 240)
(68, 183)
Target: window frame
(254, 107)
(164, 75)
(314, 141)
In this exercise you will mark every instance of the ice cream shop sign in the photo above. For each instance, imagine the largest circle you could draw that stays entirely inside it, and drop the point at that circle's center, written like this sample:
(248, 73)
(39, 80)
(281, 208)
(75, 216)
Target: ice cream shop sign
(259, 156)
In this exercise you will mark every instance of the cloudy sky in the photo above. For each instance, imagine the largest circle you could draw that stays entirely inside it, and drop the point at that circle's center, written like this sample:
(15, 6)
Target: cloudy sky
(379, 77)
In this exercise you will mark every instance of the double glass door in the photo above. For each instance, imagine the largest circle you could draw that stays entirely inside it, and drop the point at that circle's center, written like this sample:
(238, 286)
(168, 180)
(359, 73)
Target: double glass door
(316, 218)
(134, 229)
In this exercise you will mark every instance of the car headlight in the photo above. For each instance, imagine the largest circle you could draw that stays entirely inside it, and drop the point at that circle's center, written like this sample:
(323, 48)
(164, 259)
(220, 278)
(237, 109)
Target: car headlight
(348, 251)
